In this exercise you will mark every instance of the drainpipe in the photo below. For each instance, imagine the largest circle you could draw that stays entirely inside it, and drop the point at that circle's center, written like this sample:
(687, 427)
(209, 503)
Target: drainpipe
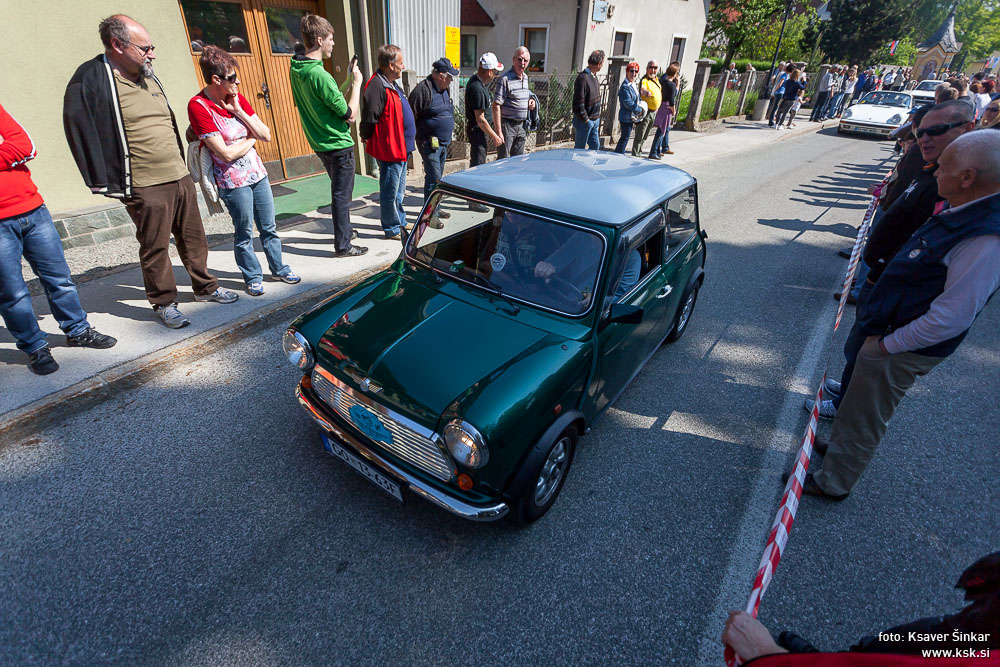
(576, 32)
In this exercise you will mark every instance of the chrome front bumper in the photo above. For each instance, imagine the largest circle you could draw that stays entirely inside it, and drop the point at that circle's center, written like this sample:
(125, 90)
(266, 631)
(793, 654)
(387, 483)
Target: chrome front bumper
(457, 507)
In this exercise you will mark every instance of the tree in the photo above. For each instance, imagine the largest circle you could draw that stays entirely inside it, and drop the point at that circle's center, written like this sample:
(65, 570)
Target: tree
(977, 25)
(739, 22)
(794, 45)
(858, 28)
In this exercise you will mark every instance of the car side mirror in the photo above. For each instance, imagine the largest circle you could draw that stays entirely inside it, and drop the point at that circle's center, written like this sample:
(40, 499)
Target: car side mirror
(621, 313)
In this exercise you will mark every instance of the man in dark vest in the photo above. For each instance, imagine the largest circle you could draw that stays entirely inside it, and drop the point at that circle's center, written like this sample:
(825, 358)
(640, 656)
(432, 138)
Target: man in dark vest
(920, 309)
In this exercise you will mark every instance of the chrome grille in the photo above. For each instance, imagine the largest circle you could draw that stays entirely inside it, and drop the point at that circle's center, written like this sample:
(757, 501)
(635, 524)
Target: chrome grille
(407, 443)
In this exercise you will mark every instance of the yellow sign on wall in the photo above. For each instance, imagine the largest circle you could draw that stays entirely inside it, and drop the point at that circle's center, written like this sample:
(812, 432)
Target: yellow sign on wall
(452, 40)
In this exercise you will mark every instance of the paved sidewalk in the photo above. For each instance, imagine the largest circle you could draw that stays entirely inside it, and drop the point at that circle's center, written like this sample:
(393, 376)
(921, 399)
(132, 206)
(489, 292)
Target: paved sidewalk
(113, 296)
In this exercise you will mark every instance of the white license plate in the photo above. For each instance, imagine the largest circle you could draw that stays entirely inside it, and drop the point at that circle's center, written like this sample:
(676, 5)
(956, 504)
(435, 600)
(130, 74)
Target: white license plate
(366, 471)
(869, 130)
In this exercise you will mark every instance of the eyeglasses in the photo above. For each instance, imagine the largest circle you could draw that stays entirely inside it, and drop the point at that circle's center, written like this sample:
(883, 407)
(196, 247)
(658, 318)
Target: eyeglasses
(938, 130)
(231, 78)
(144, 50)
(992, 109)
(522, 59)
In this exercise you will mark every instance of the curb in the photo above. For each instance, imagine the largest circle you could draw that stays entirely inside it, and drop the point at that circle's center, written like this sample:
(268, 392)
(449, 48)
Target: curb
(28, 419)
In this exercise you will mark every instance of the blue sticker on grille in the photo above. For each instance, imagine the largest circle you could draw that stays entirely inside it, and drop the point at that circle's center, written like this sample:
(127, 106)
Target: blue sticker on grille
(369, 424)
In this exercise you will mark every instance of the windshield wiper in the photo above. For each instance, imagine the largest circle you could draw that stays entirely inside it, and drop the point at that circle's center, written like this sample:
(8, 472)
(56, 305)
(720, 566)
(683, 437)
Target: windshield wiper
(492, 286)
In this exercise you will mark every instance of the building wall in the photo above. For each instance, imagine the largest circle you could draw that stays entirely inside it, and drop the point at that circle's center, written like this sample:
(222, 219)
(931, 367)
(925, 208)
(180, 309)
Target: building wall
(44, 44)
(418, 29)
(505, 36)
(654, 25)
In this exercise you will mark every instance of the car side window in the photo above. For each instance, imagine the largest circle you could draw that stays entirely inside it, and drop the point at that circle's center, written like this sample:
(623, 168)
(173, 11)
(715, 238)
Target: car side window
(640, 253)
(682, 220)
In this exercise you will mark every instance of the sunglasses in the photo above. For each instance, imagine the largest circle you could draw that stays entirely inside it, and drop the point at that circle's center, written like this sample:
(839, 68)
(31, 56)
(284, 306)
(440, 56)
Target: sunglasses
(144, 50)
(937, 130)
(992, 109)
(231, 78)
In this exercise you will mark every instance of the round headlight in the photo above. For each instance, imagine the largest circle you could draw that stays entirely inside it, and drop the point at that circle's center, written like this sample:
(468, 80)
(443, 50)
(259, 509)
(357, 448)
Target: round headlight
(848, 114)
(466, 444)
(895, 120)
(297, 349)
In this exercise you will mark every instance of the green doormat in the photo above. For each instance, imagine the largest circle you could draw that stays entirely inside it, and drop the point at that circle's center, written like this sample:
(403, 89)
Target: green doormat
(304, 195)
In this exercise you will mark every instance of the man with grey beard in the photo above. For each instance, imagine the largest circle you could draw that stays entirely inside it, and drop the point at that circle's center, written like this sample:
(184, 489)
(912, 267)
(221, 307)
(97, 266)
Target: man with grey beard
(124, 138)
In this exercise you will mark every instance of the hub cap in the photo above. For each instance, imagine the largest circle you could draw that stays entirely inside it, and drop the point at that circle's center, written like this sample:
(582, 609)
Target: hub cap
(552, 472)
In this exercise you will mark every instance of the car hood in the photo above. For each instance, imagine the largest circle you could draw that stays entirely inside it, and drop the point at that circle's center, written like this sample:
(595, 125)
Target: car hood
(420, 349)
(876, 113)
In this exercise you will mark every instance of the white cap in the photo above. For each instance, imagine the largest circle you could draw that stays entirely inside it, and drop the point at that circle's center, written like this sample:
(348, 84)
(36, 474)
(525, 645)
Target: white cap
(489, 61)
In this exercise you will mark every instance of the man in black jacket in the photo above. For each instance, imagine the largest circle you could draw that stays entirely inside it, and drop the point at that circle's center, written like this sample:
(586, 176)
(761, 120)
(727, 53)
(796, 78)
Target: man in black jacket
(587, 103)
(124, 138)
(937, 129)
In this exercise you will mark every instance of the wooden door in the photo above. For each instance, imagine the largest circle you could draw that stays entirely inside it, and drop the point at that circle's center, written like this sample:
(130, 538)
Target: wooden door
(261, 35)
(278, 31)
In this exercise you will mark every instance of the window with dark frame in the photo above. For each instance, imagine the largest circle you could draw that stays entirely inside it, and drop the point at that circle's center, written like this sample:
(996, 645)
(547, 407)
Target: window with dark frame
(217, 23)
(536, 41)
(622, 44)
(469, 50)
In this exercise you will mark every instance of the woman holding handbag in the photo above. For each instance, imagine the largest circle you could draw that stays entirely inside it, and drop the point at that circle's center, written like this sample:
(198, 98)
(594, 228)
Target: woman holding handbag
(227, 125)
(665, 113)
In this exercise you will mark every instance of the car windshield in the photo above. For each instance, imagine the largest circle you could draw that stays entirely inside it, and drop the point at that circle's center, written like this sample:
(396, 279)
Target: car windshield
(524, 257)
(928, 85)
(887, 98)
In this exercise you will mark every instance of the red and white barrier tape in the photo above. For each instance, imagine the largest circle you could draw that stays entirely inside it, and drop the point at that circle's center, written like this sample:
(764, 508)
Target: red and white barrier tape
(778, 536)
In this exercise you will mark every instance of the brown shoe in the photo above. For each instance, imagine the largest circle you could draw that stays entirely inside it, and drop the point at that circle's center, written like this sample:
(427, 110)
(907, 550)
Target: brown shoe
(811, 488)
(668, 152)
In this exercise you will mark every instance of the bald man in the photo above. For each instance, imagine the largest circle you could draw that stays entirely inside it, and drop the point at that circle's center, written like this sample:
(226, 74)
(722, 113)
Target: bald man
(921, 308)
(124, 138)
(511, 105)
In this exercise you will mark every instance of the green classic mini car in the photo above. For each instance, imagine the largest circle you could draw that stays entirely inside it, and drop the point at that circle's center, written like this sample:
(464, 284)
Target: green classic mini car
(528, 295)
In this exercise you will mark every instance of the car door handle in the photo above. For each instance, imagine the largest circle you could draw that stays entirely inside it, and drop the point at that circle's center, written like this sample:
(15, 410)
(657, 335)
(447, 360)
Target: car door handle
(664, 291)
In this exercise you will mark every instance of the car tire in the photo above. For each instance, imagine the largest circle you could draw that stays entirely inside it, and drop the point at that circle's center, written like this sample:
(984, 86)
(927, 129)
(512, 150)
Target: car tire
(683, 318)
(547, 478)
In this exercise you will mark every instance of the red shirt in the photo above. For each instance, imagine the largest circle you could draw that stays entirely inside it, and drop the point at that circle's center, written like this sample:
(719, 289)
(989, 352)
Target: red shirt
(18, 193)
(207, 119)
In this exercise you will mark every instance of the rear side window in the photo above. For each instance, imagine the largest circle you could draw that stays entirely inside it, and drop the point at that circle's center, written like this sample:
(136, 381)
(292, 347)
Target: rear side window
(682, 220)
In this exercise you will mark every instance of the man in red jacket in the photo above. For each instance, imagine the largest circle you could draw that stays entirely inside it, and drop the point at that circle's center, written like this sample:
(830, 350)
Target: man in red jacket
(389, 133)
(26, 229)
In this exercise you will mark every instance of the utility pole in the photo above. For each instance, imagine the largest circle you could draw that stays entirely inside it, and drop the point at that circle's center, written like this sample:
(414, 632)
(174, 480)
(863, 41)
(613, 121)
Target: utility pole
(766, 93)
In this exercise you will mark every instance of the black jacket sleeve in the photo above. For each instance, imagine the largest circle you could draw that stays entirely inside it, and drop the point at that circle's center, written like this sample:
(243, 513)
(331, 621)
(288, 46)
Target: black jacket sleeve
(895, 228)
(372, 106)
(580, 97)
(908, 168)
(83, 136)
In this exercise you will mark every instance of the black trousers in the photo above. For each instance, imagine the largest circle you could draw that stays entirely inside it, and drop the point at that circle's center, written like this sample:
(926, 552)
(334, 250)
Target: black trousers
(477, 146)
(339, 166)
(819, 106)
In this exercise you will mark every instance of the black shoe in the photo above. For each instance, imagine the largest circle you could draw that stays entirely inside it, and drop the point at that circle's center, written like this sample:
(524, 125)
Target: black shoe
(820, 445)
(811, 488)
(41, 362)
(91, 338)
(845, 252)
(353, 251)
(851, 299)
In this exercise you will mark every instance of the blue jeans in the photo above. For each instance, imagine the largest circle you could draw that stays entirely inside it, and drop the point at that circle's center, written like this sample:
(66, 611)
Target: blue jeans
(626, 133)
(661, 142)
(433, 164)
(247, 205)
(831, 108)
(586, 134)
(34, 236)
(391, 188)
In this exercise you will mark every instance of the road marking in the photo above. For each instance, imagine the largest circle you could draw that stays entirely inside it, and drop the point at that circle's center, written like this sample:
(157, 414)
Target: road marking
(744, 555)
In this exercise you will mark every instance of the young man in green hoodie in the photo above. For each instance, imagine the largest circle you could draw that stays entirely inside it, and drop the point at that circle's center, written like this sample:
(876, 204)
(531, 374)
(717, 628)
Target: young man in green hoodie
(326, 115)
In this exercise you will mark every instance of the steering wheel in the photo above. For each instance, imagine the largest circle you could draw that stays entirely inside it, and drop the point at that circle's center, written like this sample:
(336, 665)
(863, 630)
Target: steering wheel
(567, 290)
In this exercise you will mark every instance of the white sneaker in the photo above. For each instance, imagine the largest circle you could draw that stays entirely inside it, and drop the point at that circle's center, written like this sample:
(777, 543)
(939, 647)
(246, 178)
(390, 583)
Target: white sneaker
(171, 316)
(220, 295)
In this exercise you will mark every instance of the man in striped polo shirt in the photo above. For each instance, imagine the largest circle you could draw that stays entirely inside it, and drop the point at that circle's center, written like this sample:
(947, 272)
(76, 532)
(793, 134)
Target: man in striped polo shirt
(511, 105)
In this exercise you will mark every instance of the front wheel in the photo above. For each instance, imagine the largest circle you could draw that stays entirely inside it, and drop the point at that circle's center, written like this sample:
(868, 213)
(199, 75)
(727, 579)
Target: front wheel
(547, 479)
(683, 315)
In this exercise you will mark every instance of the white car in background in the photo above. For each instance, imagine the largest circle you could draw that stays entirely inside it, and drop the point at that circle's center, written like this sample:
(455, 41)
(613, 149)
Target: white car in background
(924, 92)
(877, 113)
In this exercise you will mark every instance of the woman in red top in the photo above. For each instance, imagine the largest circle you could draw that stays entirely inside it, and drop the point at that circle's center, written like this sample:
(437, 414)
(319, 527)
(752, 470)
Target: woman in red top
(226, 124)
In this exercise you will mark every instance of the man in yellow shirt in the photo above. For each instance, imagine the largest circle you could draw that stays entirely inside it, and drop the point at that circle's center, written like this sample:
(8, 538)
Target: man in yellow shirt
(650, 93)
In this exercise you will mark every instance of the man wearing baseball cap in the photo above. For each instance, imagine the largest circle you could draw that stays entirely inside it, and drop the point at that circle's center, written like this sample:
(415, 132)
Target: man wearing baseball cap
(435, 119)
(477, 101)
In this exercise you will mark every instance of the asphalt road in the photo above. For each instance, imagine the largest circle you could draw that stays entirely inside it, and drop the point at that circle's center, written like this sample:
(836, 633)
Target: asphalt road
(197, 521)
